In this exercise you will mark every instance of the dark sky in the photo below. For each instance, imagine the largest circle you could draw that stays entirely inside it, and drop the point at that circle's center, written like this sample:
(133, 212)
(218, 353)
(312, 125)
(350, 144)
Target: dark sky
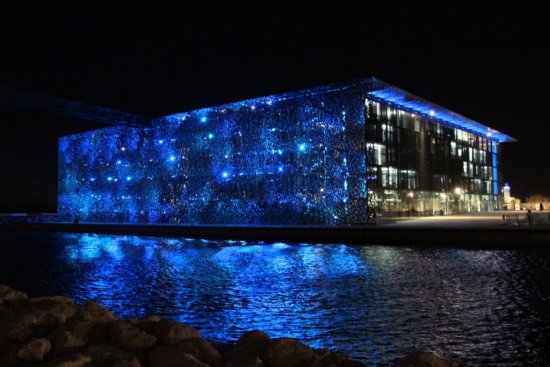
(485, 62)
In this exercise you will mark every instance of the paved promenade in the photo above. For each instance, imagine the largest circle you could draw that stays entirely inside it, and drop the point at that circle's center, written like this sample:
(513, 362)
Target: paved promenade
(480, 220)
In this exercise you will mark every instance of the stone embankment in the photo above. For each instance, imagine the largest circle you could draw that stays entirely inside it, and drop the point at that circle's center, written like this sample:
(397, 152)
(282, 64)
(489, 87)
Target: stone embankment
(56, 332)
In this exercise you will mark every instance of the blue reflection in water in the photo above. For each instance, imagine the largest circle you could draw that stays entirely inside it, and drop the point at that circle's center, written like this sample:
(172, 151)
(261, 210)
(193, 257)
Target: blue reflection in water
(373, 302)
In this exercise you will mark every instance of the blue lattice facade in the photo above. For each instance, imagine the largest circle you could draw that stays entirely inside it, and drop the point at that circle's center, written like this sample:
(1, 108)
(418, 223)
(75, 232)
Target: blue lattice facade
(296, 158)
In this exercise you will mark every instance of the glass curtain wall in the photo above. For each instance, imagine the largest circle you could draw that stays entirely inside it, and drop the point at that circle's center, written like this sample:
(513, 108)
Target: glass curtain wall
(427, 168)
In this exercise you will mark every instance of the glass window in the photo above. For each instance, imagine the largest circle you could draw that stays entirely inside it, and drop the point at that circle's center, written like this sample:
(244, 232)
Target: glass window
(417, 125)
(379, 153)
(389, 177)
(453, 149)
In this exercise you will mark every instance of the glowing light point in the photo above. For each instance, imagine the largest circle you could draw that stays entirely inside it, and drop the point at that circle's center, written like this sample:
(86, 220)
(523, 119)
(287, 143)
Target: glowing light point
(172, 158)
(432, 113)
(92, 179)
(302, 147)
(203, 119)
(109, 179)
(128, 178)
(225, 174)
(161, 141)
(280, 169)
(210, 136)
(123, 148)
(118, 162)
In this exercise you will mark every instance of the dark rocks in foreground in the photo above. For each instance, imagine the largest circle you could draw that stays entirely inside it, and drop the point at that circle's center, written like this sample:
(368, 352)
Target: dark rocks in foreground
(55, 332)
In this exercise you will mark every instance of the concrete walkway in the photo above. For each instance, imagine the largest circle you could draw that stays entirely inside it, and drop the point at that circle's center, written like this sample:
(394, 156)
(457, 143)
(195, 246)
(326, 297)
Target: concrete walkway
(477, 220)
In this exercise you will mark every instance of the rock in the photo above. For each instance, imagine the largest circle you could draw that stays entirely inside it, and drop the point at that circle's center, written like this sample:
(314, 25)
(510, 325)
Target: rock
(37, 325)
(423, 359)
(9, 294)
(148, 325)
(164, 356)
(170, 332)
(125, 336)
(8, 353)
(330, 359)
(91, 323)
(63, 342)
(89, 331)
(97, 312)
(107, 355)
(35, 329)
(73, 360)
(153, 318)
(245, 361)
(33, 350)
(252, 343)
(5, 312)
(221, 347)
(288, 352)
(202, 350)
(63, 307)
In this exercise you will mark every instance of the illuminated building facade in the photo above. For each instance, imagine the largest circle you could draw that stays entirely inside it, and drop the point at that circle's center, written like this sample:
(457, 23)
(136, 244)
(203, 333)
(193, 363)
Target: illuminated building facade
(316, 156)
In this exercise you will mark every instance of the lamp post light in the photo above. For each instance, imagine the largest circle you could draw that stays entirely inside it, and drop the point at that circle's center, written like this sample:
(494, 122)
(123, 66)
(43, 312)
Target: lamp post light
(410, 197)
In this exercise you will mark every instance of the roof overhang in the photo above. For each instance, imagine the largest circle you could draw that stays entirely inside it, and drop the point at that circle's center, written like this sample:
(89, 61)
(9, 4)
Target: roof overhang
(398, 98)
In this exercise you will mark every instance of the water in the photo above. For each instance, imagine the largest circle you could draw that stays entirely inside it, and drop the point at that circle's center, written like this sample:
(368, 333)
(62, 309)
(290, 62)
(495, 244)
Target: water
(375, 303)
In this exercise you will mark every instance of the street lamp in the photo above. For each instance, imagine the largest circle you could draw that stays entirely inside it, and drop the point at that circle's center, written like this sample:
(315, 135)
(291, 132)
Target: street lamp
(410, 196)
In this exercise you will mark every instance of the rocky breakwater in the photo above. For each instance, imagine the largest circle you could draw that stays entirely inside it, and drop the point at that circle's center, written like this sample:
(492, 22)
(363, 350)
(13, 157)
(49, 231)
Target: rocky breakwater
(56, 332)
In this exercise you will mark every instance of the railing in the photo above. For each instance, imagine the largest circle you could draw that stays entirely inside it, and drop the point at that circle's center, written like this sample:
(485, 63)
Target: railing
(527, 218)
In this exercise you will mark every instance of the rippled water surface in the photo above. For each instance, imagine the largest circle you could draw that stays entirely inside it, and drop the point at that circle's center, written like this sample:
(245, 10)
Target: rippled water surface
(376, 303)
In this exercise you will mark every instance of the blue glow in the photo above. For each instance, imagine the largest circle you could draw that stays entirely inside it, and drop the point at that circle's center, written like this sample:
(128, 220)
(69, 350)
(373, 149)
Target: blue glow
(271, 157)
(405, 101)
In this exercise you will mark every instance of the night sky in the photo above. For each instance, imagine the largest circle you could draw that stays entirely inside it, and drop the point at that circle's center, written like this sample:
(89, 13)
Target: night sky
(491, 64)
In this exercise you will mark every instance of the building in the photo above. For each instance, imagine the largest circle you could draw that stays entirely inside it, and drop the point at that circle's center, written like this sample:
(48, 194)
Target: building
(326, 156)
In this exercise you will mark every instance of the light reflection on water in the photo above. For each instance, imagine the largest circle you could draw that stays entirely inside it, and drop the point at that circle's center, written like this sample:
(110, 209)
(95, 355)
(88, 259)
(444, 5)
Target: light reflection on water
(373, 302)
